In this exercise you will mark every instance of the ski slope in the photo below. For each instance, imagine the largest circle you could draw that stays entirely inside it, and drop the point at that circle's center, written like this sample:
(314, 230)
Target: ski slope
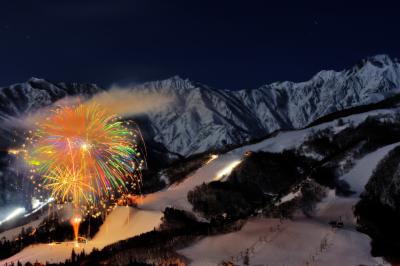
(14, 232)
(294, 242)
(299, 241)
(120, 224)
(358, 177)
(300, 237)
(176, 195)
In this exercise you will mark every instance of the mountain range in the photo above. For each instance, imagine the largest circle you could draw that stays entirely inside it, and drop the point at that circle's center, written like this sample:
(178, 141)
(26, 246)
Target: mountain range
(202, 118)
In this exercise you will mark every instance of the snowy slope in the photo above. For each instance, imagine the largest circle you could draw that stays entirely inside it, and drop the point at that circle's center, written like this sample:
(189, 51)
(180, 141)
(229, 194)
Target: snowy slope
(269, 241)
(176, 195)
(358, 177)
(14, 232)
(290, 243)
(120, 224)
(269, 244)
(126, 222)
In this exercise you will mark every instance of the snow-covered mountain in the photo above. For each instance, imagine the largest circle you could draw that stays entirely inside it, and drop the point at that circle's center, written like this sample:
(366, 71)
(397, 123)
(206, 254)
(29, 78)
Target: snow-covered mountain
(202, 118)
(22, 98)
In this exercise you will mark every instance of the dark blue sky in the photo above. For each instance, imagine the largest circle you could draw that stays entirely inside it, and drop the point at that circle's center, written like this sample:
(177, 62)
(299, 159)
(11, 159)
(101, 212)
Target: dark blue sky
(225, 44)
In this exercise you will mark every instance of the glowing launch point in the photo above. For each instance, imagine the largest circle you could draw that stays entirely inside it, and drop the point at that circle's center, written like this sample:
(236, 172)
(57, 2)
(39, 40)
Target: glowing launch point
(75, 222)
(84, 147)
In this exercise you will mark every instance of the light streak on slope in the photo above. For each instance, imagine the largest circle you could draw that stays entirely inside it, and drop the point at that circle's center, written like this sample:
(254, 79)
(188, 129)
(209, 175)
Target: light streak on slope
(226, 171)
(13, 214)
(40, 206)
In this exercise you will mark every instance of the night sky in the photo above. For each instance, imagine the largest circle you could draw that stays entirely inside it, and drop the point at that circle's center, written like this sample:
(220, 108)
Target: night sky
(225, 44)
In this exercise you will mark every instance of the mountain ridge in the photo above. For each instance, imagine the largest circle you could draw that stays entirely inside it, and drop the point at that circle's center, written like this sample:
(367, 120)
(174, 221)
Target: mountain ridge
(203, 118)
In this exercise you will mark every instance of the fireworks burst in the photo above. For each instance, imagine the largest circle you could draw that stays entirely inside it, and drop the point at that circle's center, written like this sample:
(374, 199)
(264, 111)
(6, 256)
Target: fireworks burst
(86, 156)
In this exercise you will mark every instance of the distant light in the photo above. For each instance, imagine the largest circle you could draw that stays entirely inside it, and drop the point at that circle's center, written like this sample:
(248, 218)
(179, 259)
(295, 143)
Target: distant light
(14, 151)
(227, 170)
(212, 158)
(35, 203)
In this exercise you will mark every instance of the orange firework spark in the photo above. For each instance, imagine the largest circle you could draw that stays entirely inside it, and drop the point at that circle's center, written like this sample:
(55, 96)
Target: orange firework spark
(85, 156)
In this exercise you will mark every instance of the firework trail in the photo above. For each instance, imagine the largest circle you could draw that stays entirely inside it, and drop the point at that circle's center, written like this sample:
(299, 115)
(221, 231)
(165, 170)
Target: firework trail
(85, 156)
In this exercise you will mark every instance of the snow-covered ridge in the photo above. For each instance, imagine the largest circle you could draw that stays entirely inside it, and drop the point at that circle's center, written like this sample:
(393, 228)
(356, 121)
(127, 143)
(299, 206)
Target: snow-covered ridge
(22, 98)
(203, 118)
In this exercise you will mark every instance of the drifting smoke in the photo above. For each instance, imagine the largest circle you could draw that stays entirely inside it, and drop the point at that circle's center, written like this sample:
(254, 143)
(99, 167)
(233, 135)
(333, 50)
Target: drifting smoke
(127, 102)
(123, 101)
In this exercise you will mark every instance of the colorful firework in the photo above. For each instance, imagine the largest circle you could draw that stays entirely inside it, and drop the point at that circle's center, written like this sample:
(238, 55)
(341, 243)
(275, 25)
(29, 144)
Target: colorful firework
(86, 156)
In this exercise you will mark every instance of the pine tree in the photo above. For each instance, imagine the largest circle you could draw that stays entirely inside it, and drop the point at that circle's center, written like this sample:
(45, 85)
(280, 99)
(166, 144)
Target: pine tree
(246, 259)
(73, 256)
